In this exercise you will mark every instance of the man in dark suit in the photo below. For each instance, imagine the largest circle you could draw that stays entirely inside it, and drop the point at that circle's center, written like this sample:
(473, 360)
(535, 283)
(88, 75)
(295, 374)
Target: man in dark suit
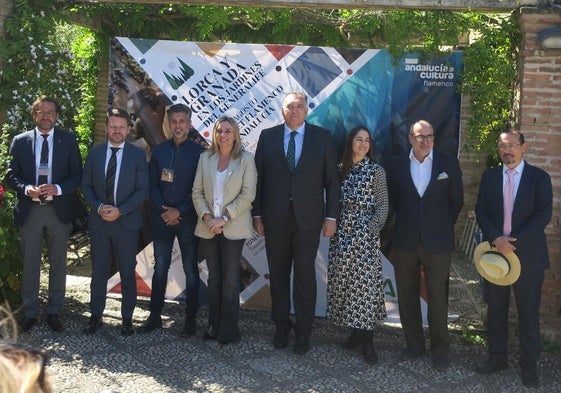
(297, 165)
(514, 205)
(173, 165)
(115, 184)
(45, 172)
(426, 193)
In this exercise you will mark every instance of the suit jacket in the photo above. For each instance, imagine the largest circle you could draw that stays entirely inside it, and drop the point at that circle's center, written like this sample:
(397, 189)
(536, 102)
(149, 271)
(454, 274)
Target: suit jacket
(239, 192)
(428, 219)
(313, 188)
(66, 172)
(132, 186)
(530, 214)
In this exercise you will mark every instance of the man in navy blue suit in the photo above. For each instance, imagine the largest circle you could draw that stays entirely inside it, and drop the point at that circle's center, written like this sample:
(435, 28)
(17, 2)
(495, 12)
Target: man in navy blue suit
(115, 184)
(45, 172)
(426, 193)
(297, 198)
(519, 229)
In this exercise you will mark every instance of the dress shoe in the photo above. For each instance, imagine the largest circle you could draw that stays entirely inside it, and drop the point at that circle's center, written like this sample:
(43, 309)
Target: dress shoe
(301, 346)
(368, 352)
(127, 329)
(152, 323)
(210, 334)
(190, 328)
(27, 324)
(225, 341)
(94, 325)
(55, 323)
(280, 339)
(529, 377)
(352, 342)
(409, 353)
(492, 365)
(441, 362)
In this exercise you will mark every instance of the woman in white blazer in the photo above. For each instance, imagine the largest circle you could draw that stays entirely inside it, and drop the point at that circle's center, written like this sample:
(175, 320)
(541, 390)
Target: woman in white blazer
(223, 191)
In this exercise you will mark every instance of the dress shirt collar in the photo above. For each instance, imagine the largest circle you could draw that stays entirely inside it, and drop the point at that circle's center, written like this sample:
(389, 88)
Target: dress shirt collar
(413, 158)
(299, 130)
(39, 133)
(519, 168)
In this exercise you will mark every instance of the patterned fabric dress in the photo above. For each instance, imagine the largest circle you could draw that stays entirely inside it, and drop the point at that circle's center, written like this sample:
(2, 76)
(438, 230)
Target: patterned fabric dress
(355, 294)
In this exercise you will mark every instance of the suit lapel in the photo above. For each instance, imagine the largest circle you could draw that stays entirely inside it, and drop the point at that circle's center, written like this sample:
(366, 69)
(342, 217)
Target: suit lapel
(307, 146)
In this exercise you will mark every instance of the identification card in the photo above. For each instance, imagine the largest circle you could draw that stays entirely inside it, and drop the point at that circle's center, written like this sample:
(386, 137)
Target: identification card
(43, 170)
(167, 175)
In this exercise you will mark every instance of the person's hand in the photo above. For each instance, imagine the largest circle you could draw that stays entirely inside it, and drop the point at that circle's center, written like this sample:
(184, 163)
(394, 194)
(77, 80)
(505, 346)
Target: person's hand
(258, 226)
(33, 192)
(215, 224)
(109, 213)
(328, 228)
(171, 215)
(504, 244)
(47, 190)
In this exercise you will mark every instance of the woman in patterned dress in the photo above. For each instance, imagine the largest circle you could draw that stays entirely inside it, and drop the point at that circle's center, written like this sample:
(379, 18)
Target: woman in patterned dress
(355, 282)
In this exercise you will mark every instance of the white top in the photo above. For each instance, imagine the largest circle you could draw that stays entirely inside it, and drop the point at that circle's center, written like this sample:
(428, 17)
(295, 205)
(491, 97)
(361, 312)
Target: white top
(420, 172)
(218, 197)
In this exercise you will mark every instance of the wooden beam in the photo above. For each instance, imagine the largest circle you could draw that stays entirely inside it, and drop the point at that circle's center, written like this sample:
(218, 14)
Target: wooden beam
(452, 5)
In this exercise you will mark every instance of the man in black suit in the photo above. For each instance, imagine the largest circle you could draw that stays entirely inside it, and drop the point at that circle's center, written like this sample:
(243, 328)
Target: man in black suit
(297, 165)
(115, 184)
(45, 172)
(514, 205)
(426, 193)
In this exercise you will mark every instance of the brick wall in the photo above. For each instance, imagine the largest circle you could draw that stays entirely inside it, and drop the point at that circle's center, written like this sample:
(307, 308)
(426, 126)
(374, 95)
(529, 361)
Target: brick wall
(540, 113)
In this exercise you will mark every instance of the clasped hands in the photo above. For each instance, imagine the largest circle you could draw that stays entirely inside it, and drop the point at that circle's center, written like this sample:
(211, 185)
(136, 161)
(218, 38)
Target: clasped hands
(504, 244)
(44, 190)
(171, 216)
(214, 224)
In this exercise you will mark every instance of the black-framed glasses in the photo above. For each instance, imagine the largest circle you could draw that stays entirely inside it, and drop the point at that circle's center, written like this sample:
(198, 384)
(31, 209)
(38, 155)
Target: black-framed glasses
(19, 352)
(421, 138)
(509, 146)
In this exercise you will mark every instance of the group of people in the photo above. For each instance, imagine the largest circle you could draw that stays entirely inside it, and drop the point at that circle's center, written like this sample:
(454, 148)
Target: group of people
(291, 191)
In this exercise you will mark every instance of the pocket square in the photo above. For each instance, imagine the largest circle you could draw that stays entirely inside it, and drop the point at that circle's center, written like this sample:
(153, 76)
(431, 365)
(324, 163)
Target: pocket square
(442, 176)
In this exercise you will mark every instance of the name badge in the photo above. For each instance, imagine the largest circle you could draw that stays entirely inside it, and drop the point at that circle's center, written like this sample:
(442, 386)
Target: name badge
(167, 175)
(44, 170)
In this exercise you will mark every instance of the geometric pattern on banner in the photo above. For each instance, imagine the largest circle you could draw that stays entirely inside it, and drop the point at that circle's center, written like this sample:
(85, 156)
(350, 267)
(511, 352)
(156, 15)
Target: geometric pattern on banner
(314, 70)
(350, 55)
(143, 45)
(279, 51)
(210, 48)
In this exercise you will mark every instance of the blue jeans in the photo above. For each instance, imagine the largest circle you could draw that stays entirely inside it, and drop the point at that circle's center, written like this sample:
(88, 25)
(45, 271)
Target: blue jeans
(223, 258)
(163, 238)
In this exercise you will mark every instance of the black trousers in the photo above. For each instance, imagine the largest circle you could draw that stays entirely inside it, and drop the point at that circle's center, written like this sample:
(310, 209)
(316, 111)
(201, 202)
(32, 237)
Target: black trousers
(436, 268)
(291, 249)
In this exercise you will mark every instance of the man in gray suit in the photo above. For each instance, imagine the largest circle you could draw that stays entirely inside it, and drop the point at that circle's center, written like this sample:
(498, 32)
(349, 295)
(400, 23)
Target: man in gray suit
(296, 165)
(45, 172)
(115, 184)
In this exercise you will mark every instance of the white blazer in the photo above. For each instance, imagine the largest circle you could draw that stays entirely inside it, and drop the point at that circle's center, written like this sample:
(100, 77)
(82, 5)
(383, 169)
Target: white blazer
(239, 192)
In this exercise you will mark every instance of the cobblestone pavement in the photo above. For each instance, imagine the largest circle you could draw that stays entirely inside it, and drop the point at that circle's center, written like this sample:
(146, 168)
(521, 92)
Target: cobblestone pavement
(164, 362)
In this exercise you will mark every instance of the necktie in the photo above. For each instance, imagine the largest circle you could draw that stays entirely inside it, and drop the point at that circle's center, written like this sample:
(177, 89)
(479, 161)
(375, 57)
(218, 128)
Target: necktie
(43, 179)
(508, 199)
(291, 152)
(110, 177)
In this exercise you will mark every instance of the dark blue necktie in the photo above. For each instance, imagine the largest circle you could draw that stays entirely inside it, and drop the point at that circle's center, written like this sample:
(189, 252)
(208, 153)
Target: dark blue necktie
(110, 177)
(43, 179)
(291, 152)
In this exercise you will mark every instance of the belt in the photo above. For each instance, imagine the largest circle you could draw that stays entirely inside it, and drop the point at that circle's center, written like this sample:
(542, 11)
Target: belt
(43, 203)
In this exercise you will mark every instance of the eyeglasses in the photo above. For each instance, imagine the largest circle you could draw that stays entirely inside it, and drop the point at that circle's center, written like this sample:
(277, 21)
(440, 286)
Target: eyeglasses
(18, 353)
(508, 147)
(421, 138)
(49, 113)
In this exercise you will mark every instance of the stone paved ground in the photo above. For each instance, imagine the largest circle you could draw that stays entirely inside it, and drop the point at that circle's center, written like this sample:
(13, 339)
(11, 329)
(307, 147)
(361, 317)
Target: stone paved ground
(164, 362)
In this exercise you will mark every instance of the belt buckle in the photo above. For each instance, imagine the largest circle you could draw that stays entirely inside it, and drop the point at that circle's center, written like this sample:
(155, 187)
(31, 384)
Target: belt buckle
(43, 203)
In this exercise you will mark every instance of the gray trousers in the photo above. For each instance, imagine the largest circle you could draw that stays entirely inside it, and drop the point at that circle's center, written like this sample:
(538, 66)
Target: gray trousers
(42, 220)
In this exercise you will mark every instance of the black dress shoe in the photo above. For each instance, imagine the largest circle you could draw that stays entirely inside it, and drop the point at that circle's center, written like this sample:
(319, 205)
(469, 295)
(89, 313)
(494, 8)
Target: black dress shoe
(27, 324)
(529, 377)
(368, 352)
(352, 342)
(491, 365)
(441, 362)
(55, 323)
(210, 334)
(190, 328)
(152, 323)
(280, 339)
(94, 324)
(126, 328)
(301, 346)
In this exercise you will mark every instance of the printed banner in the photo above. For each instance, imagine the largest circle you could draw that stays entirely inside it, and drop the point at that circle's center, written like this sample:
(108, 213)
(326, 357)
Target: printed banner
(345, 88)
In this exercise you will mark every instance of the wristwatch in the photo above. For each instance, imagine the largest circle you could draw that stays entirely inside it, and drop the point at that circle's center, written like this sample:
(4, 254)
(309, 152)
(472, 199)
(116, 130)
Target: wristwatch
(225, 218)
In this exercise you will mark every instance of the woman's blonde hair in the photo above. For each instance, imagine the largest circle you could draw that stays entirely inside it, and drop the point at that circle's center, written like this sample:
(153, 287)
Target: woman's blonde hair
(237, 149)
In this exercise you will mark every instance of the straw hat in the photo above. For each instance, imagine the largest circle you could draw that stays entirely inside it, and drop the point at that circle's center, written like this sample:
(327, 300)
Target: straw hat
(495, 267)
